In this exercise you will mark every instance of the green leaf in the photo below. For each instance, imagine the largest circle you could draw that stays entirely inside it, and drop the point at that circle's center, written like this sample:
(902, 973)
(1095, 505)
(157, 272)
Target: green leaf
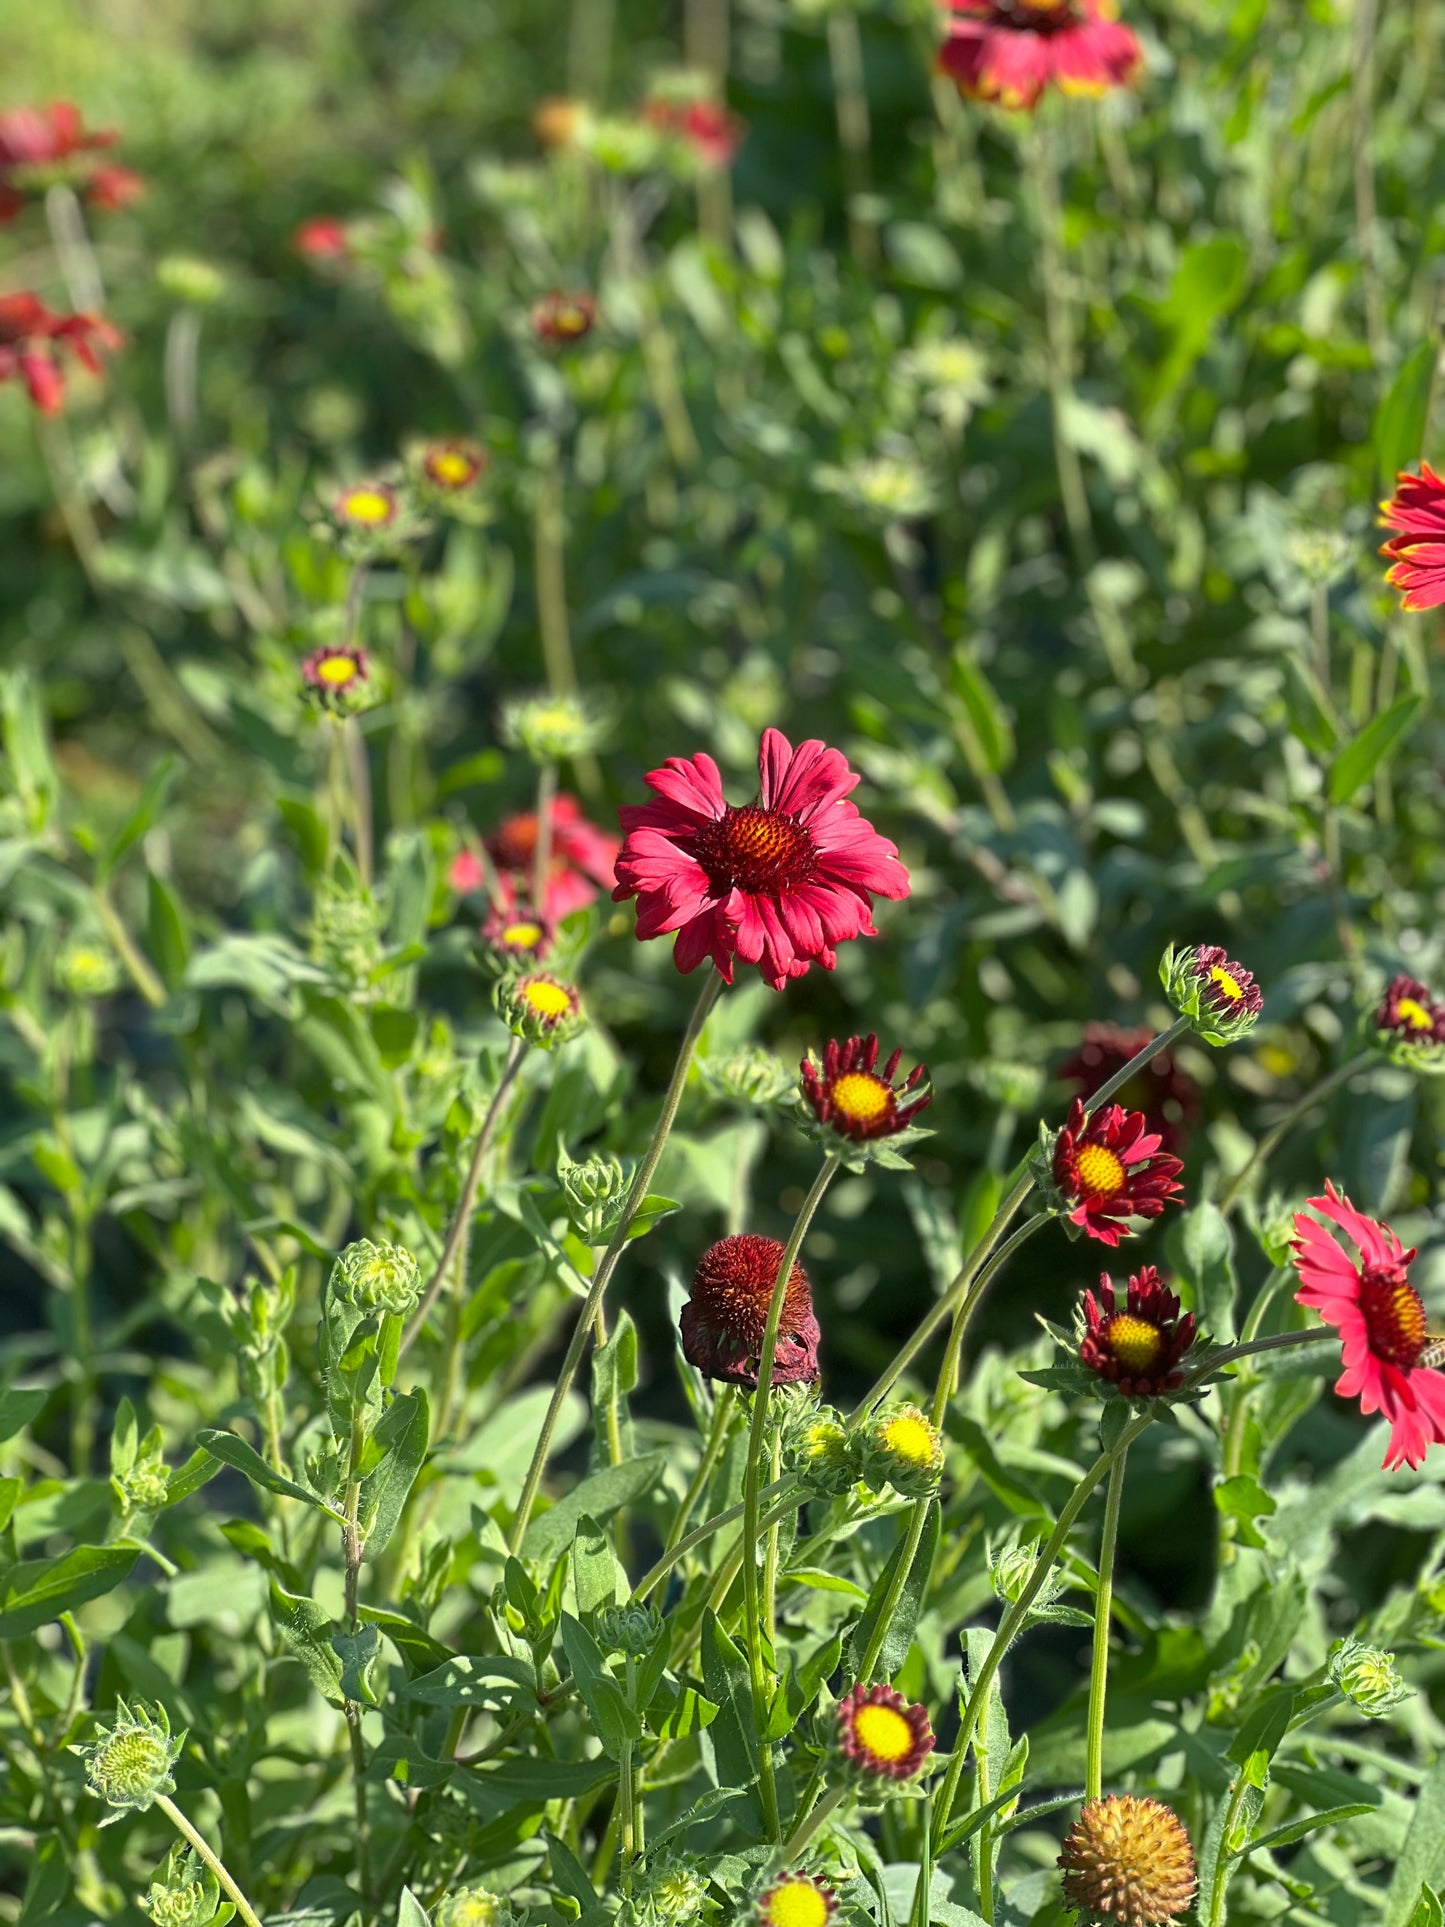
(597, 1576)
(491, 1681)
(1428, 1910)
(198, 1470)
(48, 1880)
(404, 1432)
(140, 820)
(1311, 719)
(36, 1591)
(598, 1497)
(1400, 422)
(614, 1720)
(1293, 1830)
(734, 1737)
(410, 1912)
(1244, 1500)
(17, 1409)
(356, 1651)
(898, 1634)
(167, 937)
(1200, 1245)
(922, 255)
(614, 1375)
(306, 1629)
(568, 1873)
(1257, 1741)
(1422, 1855)
(124, 1437)
(230, 1450)
(992, 731)
(1358, 762)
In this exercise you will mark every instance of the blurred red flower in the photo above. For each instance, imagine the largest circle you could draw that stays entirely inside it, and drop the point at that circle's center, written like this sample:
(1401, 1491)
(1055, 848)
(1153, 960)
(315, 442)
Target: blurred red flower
(33, 339)
(1011, 51)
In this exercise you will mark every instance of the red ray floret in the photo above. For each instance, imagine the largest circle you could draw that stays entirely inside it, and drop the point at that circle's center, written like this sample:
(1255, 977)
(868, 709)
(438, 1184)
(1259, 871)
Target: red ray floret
(1417, 551)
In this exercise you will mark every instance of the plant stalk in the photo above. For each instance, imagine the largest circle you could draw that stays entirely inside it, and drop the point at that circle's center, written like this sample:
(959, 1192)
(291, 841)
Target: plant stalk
(1103, 1615)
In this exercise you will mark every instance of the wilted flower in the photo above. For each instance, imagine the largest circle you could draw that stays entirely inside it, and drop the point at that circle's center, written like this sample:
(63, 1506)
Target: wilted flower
(722, 1323)
(1138, 1348)
(1127, 1858)
(1108, 1168)
(376, 1277)
(1162, 1090)
(129, 1764)
(1219, 997)
(540, 1008)
(338, 677)
(779, 882)
(33, 339)
(1381, 1320)
(903, 1448)
(881, 1736)
(795, 1900)
(1367, 1677)
(559, 320)
(86, 967)
(583, 860)
(1417, 552)
(852, 1100)
(1010, 51)
(1409, 1026)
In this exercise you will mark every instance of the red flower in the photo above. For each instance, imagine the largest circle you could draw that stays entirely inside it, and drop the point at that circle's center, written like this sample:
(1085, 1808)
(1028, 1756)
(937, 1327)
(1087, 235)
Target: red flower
(1417, 553)
(42, 147)
(1381, 1320)
(723, 1321)
(110, 188)
(583, 860)
(881, 1735)
(780, 882)
(516, 933)
(337, 675)
(1010, 51)
(1408, 1010)
(1109, 1168)
(560, 319)
(453, 464)
(322, 239)
(709, 129)
(850, 1098)
(32, 339)
(1166, 1094)
(1137, 1348)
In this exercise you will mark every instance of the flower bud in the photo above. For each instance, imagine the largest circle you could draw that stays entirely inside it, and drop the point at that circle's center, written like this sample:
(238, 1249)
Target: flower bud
(188, 277)
(820, 1450)
(144, 1487)
(554, 729)
(1219, 997)
(129, 1764)
(184, 1893)
(1408, 1025)
(628, 1629)
(671, 1893)
(376, 1278)
(87, 968)
(902, 1448)
(540, 1008)
(1367, 1677)
(338, 678)
(747, 1075)
(346, 926)
(473, 1907)
(1011, 1568)
(596, 1189)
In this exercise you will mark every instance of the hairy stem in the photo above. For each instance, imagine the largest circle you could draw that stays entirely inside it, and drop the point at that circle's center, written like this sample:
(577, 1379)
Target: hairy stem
(213, 1860)
(1103, 1614)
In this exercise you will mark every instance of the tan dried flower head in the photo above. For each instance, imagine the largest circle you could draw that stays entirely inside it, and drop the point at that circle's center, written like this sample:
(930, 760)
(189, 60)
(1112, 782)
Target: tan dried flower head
(1128, 1859)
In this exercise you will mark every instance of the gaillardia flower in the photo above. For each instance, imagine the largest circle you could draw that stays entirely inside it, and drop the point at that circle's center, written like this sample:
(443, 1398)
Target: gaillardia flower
(516, 936)
(338, 676)
(44, 147)
(1162, 1090)
(710, 132)
(1127, 1858)
(33, 338)
(1409, 1026)
(560, 319)
(366, 507)
(1139, 1347)
(540, 1008)
(779, 882)
(1381, 1321)
(323, 238)
(1010, 51)
(1218, 996)
(723, 1321)
(880, 1735)
(1109, 1168)
(130, 1763)
(903, 1448)
(583, 860)
(453, 465)
(796, 1900)
(1417, 552)
(850, 1098)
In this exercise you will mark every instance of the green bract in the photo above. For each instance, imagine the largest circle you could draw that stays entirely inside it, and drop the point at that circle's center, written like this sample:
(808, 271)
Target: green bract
(128, 1764)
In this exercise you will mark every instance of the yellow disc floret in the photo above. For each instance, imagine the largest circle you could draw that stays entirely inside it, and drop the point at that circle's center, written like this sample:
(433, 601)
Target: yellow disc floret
(337, 670)
(1100, 1171)
(1232, 988)
(367, 505)
(883, 1732)
(910, 1436)
(525, 936)
(860, 1098)
(1415, 1014)
(796, 1903)
(1134, 1341)
(547, 999)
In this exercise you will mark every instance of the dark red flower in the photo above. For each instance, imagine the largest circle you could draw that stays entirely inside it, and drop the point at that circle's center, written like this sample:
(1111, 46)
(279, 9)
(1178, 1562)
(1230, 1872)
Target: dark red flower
(42, 147)
(516, 933)
(1163, 1091)
(1109, 1168)
(337, 675)
(881, 1735)
(1226, 987)
(852, 1099)
(723, 1321)
(33, 338)
(453, 464)
(780, 882)
(1010, 51)
(1408, 1010)
(583, 860)
(1417, 552)
(1139, 1347)
(560, 319)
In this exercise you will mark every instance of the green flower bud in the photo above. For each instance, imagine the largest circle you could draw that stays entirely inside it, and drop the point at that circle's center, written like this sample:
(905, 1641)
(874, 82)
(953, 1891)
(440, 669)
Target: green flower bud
(186, 277)
(747, 1075)
(129, 1764)
(1014, 1087)
(373, 1277)
(474, 1907)
(671, 1892)
(86, 968)
(1011, 1568)
(540, 1008)
(143, 1488)
(555, 729)
(1219, 997)
(628, 1629)
(184, 1893)
(902, 1448)
(821, 1451)
(1366, 1676)
(596, 1188)
(346, 939)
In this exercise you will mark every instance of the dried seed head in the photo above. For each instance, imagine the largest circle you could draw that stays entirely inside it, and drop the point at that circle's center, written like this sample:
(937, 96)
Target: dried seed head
(1127, 1859)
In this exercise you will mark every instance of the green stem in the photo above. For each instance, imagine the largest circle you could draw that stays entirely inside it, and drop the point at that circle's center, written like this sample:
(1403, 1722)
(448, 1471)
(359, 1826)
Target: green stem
(1223, 1867)
(138, 966)
(1059, 345)
(542, 856)
(752, 1615)
(1268, 1144)
(808, 1826)
(183, 1826)
(1103, 1615)
(722, 1411)
(783, 1490)
(354, 1547)
(602, 1277)
(1362, 91)
(626, 1805)
(358, 770)
(850, 103)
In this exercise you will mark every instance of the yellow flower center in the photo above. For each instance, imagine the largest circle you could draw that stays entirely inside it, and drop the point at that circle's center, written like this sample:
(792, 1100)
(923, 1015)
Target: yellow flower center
(367, 505)
(1100, 1171)
(862, 1099)
(1134, 1341)
(450, 467)
(336, 670)
(909, 1437)
(883, 1732)
(797, 1903)
(548, 1000)
(1415, 1014)
(525, 935)
(1230, 985)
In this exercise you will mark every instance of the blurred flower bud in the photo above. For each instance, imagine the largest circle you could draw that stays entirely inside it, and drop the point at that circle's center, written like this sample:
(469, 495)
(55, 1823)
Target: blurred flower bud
(747, 1075)
(554, 729)
(190, 278)
(1014, 1087)
(338, 677)
(473, 1907)
(902, 1448)
(540, 1008)
(884, 488)
(671, 1892)
(87, 968)
(346, 933)
(628, 1629)
(1367, 1677)
(144, 1487)
(127, 1765)
(376, 1278)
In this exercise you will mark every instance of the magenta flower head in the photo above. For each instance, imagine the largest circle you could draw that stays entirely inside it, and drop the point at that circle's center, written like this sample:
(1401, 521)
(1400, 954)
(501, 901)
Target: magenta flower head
(1140, 1345)
(1105, 1169)
(1409, 1026)
(1416, 551)
(723, 1321)
(779, 882)
(850, 1097)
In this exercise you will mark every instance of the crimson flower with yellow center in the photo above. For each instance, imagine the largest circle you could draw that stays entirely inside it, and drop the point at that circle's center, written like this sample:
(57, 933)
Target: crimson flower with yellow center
(1109, 1168)
(1381, 1320)
(880, 1735)
(366, 506)
(453, 465)
(516, 933)
(723, 1321)
(796, 1900)
(1011, 51)
(583, 861)
(1417, 551)
(560, 319)
(49, 146)
(1409, 1012)
(1127, 1859)
(337, 675)
(852, 1098)
(1137, 1347)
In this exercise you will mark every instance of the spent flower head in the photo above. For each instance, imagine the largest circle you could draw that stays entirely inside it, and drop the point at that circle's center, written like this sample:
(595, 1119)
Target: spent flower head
(128, 1764)
(901, 1447)
(724, 1319)
(1127, 1859)
(376, 1278)
(1219, 997)
(1367, 1677)
(541, 1008)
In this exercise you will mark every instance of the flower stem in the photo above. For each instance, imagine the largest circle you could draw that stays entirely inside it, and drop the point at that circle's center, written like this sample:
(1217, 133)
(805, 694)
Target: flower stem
(358, 770)
(809, 1825)
(1059, 343)
(549, 558)
(1362, 90)
(354, 1547)
(850, 102)
(137, 965)
(542, 856)
(782, 1489)
(722, 1411)
(183, 1826)
(1103, 1614)
(752, 1614)
(1268, 1144)
(602, 1277)
(462, 1217)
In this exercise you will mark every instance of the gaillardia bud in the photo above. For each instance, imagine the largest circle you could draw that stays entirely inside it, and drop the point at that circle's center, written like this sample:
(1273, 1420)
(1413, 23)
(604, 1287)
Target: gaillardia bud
(184, 1893)
(554, 729)
(1128, 1859)
(882, 1737)
(473, 1907)
(724, 1320)
(338, 678)
(1218, 996)
(540, 1008)
(376, 1278)
(902, 1448)
(628, 1629)
(87, 968)
(821, 1451)
(1367, 1677)
(672, 1893)
(795, 1900)
(129, 1764)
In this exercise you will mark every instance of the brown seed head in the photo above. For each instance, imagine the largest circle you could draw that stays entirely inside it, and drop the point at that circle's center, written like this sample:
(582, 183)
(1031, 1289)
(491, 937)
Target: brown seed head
(1127, 1859)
